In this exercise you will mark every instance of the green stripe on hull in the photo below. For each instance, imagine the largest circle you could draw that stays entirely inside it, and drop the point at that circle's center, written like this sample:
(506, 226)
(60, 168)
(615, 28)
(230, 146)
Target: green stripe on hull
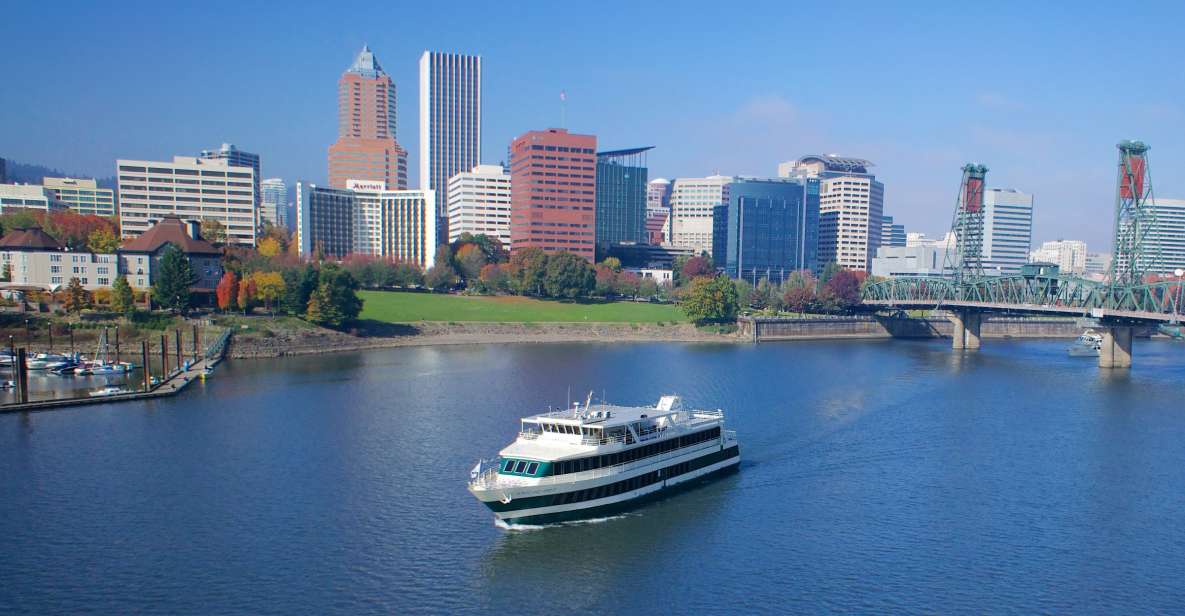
(602, 510)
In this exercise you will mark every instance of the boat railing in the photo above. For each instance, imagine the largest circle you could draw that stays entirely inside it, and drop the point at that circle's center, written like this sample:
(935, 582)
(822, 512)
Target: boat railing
(529, 434)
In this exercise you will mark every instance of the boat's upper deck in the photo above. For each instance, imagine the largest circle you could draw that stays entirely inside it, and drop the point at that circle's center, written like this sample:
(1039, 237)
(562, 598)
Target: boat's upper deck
(576, 431)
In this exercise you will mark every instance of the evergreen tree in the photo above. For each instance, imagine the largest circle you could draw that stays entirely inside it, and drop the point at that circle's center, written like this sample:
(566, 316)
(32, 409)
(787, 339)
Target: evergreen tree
(299, 285)
(122, 299)
(174, 280)
(77, 298)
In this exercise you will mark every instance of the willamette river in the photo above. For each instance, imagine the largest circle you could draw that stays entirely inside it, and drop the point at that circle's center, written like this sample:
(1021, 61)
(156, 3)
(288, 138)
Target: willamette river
(877, 477)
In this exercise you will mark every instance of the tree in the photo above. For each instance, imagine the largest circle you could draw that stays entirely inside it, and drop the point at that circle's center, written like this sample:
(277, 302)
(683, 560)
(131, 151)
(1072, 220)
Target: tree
(495, 278)
(529, 266)
(102, 241)
(696, 267)
(440, 278)
(605, 281)
(246, 295)
(122, 298)
(711, 299)
(845, 285)
(470, 259)
(6, 275)
(213, 230)
(627, 284)
(269, 247)
(299, 284)
(829, 270)
(335, 302)
(491, 248)
(799, 292)
(568, 275)
(613, 263)
(77, 298)
(226, 293)
(269, 287)
(647, 288)
(176, 276)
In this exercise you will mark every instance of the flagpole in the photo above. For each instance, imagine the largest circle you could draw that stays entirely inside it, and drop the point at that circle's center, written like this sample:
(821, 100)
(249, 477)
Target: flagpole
(563, 109)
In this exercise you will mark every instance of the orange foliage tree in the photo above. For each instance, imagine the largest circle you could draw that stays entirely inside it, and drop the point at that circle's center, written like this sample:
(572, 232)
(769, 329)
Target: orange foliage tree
(226, 291)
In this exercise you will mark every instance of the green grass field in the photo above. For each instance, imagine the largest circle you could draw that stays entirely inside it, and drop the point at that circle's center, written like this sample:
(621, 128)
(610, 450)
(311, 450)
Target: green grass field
(398, 307)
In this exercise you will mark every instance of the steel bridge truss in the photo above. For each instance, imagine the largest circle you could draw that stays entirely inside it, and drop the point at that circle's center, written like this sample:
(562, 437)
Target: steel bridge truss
(1061, 294)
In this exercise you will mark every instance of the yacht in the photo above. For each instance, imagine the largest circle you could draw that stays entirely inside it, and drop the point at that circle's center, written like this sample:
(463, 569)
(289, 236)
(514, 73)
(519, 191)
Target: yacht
(1087, 345)
(110, 390)
(591, 461)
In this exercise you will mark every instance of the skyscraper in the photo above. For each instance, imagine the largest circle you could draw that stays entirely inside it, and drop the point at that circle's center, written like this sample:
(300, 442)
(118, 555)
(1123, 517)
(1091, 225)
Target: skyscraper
(851, 206)
(768, 229)
(1007, 230)
(450, 122)
(892, 234)
(273, 207)
(553, 183)
(366, 148)
(237, 158)
(692, 203)
(658, 195)
(325, 219)
(1164, 242)
(621, 197)
(479, 203)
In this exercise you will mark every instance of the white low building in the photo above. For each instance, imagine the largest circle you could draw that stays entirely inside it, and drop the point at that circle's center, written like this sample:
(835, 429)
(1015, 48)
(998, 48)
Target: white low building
(479, 203)
(921, 257)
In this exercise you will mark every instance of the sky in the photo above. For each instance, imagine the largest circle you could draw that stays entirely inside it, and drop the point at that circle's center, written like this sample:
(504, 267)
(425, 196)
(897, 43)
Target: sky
(1040, 92)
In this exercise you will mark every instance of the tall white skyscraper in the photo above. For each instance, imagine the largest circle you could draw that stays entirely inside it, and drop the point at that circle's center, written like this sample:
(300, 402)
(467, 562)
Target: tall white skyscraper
(479, 203)
(450, 122)
(1007, 230)
(692, 203)
(1068, 255)
(1164, 243)
(273, 205)
(851, 208)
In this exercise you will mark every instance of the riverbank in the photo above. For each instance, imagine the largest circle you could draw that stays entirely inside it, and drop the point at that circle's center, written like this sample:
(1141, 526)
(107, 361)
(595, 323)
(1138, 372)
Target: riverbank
(280, 339)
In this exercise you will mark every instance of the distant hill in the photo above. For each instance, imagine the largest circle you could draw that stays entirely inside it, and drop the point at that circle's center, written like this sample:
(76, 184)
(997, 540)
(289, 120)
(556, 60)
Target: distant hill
(25, 173)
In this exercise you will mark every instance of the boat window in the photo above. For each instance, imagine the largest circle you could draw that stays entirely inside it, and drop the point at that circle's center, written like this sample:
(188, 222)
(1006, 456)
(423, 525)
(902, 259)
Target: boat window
(532, 467)
(518, 468)
(508, 466)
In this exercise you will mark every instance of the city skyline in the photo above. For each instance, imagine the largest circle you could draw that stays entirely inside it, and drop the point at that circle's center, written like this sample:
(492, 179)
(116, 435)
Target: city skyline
(1039, 112)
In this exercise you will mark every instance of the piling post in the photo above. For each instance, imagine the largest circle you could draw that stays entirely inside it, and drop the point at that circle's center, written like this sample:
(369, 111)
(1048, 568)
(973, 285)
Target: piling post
(164, 357)
(195, 343)
(116, 343)
(177, 346)
(70, 329)
(22, 379)
(147, 369)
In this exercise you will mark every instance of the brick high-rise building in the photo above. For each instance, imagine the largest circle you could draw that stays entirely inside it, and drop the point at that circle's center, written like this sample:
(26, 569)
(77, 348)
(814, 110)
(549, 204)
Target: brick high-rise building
(553, 188)
(366, 148)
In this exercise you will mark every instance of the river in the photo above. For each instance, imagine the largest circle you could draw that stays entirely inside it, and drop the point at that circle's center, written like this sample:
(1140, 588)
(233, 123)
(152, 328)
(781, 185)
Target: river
(877, 476)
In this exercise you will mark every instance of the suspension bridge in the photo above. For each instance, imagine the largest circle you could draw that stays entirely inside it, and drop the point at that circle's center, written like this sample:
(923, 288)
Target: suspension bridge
(1131, 295)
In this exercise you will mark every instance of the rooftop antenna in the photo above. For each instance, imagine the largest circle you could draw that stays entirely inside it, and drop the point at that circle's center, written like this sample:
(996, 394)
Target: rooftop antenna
(563, 109)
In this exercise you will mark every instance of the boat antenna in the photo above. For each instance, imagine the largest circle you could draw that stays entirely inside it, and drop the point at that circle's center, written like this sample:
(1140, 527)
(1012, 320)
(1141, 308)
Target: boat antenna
(569, 404)
(589, 401)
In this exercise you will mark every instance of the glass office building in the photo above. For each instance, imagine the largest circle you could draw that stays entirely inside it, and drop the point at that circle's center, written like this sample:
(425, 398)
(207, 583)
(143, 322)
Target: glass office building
(768, 229)
(622, 183)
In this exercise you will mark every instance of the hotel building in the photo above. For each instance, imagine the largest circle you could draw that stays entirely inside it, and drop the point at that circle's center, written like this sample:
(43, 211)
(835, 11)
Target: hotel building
(82, 196)
(190, 188)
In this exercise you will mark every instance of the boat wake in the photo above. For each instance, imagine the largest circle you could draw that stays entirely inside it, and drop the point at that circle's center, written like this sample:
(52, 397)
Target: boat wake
(530, 527)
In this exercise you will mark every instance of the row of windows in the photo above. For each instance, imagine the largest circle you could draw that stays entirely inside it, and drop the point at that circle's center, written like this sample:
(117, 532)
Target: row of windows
(634, 483)
(630, 455)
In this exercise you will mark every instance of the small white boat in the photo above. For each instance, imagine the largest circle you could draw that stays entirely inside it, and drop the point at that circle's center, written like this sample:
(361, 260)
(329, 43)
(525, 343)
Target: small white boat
(110, 390)
(1087, 345)
(102, 367)
(45, 361)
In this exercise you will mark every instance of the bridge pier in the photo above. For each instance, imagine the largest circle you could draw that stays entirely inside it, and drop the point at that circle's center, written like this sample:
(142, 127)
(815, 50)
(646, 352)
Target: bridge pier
(1116, 351)
(967, 326)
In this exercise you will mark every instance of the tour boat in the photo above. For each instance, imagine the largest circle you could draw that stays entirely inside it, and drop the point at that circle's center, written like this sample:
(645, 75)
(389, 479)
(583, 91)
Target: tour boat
(1087, 345)
(588, 462)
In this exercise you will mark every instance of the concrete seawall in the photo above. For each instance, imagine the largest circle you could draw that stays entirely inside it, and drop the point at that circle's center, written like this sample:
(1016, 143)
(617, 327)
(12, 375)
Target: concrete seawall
(761, 329)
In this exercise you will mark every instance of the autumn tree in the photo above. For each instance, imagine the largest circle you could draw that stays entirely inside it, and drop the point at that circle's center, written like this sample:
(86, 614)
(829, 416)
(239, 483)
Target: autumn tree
(122, 298)
(470, 259)
(440, 277)
(246, 295)
(845, 286)
(269, 288)
(269, 247)
(77, 298)
(494, 278)
(696, 267)
(102, 241)
(174, 280)
(711, 299)
(227, 291)
(213, 230)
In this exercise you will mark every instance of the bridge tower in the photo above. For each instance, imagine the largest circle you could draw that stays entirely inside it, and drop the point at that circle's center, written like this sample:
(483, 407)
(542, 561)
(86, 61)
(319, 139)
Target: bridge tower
(964, 259)
(1134, 218)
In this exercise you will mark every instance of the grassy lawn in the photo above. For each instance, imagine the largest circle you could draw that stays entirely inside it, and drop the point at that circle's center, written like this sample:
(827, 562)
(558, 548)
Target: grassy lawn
(397, 307)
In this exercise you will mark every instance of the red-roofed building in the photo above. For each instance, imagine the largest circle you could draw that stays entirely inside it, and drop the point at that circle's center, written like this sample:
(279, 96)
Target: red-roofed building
(139, 256)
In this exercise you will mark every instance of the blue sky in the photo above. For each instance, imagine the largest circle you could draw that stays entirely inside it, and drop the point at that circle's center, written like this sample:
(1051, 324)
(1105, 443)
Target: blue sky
(1039, 92)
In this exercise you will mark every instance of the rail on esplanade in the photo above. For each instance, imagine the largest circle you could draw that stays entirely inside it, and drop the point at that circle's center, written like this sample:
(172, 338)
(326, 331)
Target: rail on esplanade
(1161, 301)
